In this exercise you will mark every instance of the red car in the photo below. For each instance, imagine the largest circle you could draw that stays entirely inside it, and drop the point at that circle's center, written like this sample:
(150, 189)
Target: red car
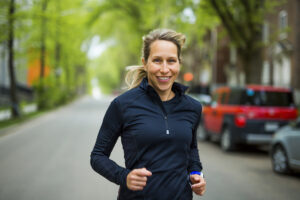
(246, 115)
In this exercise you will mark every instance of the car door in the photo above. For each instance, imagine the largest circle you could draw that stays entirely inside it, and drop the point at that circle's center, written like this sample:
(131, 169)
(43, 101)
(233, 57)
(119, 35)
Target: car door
(220, 111)
(209, 114)
(294, 144)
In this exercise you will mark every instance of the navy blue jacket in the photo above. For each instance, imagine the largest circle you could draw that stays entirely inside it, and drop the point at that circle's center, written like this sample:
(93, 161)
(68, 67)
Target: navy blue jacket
(159, 139)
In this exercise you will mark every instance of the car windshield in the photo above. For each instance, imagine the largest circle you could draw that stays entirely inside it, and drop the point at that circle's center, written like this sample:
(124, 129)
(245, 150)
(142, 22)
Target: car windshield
(266, 98)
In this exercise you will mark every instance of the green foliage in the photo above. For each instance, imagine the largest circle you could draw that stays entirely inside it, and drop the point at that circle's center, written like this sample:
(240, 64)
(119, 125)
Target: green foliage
(62, 24)
(243, 21)
(126, 21)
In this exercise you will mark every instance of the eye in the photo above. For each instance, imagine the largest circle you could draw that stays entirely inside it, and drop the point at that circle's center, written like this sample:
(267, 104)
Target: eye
(172, 61)
(156, 60)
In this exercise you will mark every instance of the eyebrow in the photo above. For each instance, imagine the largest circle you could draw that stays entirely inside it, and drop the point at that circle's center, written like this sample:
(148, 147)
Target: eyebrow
(157, 56)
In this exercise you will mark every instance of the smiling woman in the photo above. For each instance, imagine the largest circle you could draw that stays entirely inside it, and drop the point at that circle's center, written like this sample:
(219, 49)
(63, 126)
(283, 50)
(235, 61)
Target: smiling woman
(162, 68)
(157, 123)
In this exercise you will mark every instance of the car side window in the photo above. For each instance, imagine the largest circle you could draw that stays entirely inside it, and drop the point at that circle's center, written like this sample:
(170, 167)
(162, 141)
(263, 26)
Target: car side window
(234, 97)
(223, 99)
(214, 99)
(297, 125)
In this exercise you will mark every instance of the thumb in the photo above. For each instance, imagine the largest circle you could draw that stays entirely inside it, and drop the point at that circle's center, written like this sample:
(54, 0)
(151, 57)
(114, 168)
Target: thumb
(195, 178)
(145, 172)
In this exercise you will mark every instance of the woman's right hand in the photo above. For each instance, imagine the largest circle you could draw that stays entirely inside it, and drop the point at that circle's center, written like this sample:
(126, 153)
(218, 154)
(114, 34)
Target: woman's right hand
(137, 179)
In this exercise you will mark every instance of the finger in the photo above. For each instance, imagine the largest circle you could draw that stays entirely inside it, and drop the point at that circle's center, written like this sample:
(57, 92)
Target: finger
(195, 178)
(198, 188)
(198, 185)
(143, 172)
(138, 183)
(202, 193)
(139, 178)
(136, 188)
(197, 192)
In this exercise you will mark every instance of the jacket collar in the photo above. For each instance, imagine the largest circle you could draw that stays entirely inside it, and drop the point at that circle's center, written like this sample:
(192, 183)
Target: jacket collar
(176, 87)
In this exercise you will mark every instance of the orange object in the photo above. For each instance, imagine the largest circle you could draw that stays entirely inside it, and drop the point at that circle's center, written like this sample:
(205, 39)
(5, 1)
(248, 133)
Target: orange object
(34, 71)
(188, 77)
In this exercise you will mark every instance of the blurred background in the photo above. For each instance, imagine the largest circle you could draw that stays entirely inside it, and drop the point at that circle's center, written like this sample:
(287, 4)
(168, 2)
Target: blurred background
(62, 52)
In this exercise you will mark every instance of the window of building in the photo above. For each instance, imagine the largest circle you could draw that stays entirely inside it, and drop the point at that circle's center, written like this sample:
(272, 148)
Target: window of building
(266, 32)
(283, 24)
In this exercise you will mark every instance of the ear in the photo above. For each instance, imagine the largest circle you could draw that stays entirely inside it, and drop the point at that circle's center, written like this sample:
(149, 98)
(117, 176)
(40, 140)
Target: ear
(144, 64)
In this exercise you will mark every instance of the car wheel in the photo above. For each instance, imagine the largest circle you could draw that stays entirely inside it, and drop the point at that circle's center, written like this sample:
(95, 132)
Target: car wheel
(202, 133)
(226, 141)
(280, 160)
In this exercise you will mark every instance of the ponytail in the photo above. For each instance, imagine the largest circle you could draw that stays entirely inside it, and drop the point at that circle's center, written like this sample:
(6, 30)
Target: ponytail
(134, 76)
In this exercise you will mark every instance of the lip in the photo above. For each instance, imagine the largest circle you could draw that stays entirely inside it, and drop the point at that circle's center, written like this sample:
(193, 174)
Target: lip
(165, 80)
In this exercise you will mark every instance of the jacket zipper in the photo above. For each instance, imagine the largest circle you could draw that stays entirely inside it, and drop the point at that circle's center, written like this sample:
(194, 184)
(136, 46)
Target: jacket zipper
(164, 113)
(165, 116)
(166, 123)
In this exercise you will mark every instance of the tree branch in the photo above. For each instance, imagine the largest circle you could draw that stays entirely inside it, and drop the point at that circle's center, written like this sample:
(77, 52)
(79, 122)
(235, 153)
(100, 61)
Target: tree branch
(229, 26)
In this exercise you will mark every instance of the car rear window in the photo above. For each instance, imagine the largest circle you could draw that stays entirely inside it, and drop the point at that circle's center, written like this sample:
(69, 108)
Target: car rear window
(261, 98)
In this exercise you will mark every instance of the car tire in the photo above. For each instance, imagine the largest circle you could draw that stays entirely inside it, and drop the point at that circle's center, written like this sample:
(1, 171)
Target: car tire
(280, 160)
(226, 142)
(202, 133)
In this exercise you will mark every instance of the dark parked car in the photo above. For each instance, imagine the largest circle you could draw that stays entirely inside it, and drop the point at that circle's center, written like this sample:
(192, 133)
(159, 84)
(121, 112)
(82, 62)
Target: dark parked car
(285, 148)
(246, 115)
(201, 93)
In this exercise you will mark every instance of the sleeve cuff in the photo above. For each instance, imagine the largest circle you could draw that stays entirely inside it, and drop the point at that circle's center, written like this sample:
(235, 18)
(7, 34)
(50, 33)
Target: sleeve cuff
(197, 172)
(123, 181)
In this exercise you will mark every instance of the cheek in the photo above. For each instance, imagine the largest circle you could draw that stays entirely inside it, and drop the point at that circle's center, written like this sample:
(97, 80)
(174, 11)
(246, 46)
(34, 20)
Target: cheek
(175, 70)
(152, 69)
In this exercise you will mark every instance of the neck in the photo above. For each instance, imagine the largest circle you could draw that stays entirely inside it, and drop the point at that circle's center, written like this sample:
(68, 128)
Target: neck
(166, 96)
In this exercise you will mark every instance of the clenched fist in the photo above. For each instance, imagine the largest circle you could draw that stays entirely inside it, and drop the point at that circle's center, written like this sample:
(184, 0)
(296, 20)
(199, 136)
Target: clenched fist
(198, 184)
(137, 179)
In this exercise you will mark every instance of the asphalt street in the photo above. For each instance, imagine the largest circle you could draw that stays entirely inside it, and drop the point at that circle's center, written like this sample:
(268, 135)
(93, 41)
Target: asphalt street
(47, 158)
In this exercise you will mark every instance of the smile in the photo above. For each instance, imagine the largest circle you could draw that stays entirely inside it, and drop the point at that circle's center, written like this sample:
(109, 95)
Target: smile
(164, 78)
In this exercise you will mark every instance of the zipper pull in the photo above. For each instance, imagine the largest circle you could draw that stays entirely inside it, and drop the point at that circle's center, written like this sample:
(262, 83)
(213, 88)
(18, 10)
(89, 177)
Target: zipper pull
(168, 132)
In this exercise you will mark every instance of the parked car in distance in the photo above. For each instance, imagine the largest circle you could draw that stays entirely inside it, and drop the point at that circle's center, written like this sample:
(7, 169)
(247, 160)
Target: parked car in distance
(285, 149)
(201, 93)
(246, 115)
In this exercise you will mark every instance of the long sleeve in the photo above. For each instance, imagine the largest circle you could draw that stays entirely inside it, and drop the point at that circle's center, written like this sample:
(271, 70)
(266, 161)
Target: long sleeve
(194, 160)
(107, 137)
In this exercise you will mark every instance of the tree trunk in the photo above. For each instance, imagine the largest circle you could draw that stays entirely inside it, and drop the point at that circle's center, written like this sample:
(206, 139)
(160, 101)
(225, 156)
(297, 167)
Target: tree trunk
(252, 63)
(43, 42)
(13, 89)
(296, 56)
(271, 71)
(252, 57)
(57, 44)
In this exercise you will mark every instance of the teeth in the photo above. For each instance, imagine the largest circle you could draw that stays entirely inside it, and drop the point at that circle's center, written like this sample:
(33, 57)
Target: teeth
(163, 78)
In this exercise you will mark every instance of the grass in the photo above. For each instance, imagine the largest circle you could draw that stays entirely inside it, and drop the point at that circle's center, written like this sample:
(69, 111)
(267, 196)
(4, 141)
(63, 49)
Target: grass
(22, 119)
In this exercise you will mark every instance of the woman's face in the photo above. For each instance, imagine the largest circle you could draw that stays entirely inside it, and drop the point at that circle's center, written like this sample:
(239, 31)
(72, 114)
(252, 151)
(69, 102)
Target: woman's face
(162, 66)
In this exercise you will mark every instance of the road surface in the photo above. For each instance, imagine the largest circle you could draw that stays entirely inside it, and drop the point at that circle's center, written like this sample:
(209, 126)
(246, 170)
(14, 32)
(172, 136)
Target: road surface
(47, 158)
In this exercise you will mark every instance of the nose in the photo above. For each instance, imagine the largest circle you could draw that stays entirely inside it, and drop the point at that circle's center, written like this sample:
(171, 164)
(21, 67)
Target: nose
(164, 68)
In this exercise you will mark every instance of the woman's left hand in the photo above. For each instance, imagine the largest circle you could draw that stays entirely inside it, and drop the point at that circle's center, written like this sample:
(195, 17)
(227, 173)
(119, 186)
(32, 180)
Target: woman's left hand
(198, 184)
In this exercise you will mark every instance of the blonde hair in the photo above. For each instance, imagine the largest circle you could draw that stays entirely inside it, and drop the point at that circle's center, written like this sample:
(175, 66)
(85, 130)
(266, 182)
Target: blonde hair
(136, 74)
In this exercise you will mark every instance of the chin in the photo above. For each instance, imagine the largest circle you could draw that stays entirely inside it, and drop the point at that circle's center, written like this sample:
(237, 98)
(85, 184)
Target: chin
(165, 88)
